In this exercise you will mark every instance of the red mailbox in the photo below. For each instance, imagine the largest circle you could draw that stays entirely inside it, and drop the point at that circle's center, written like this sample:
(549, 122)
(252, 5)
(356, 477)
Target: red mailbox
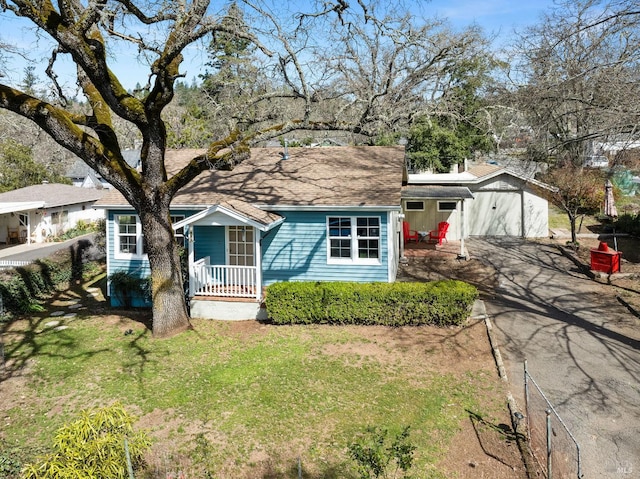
(605, 259)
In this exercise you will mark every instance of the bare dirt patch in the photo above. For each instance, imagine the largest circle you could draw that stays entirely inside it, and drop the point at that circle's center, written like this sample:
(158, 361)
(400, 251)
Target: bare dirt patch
(446, 350)
(439, 267)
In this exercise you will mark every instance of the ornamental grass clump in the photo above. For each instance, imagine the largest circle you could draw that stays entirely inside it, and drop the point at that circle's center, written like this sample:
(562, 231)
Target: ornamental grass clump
(94, 446)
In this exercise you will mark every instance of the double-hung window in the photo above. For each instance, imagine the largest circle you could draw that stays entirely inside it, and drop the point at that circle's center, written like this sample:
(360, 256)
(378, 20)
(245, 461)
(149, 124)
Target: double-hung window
(128, 237)
(129, 240)
(353, 239)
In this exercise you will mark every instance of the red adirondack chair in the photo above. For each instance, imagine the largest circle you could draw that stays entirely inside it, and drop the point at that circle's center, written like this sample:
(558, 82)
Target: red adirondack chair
(439, 234)
(407, 233)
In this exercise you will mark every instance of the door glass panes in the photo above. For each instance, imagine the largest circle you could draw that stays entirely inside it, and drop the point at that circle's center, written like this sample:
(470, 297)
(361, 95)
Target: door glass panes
(241, 246)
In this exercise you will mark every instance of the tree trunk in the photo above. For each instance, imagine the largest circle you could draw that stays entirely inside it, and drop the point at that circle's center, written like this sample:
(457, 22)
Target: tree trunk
(574, 236)
(170, 314)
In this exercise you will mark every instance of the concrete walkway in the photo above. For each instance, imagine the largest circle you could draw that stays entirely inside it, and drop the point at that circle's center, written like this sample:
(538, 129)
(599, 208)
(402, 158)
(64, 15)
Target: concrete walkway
(582, 348)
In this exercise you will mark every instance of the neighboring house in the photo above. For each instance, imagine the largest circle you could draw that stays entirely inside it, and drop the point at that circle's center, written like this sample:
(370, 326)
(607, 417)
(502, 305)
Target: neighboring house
(596, 161)
(305, 214)
(486, 200)
(39, 212)
(83, 176)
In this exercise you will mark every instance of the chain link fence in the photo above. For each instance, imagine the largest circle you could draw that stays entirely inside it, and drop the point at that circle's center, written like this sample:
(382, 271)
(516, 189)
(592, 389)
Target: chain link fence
(551, 443)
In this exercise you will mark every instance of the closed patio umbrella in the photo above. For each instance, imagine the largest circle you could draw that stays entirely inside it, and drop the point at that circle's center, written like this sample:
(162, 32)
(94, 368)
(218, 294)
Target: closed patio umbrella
(609, 203)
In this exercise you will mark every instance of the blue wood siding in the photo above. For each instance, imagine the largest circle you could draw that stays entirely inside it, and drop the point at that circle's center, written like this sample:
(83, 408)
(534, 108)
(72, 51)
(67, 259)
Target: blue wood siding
(210, 241)
(297, 251)
(137, 267)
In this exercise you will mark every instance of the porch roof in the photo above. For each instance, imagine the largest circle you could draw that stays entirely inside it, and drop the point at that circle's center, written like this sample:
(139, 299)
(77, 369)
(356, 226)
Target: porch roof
(437, 192)
(17, 206)
(234, 211)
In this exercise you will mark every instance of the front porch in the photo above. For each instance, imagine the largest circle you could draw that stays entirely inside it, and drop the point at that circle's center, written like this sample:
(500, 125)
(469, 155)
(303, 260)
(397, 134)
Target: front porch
(225, 292)
(223, 281)
(225, 260)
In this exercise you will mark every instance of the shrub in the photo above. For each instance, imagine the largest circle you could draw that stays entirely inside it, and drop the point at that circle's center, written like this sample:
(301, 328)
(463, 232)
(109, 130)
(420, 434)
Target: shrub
(81, 228)
(22, 288)
(398, 304)
(377, 456)
(10, 465)
(128, 288)
(629, 224)
(93, 447)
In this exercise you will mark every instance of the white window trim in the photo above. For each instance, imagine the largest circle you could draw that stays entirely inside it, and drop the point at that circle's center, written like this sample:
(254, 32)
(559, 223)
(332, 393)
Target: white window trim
(175, 219)
(354, 243)
(406, 207)
(440, 210)
(116, 238)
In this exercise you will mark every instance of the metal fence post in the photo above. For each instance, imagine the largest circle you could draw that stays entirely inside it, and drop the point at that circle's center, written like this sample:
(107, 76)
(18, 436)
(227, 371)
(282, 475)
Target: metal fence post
(549, 475)
(526, 396)
(127, 457)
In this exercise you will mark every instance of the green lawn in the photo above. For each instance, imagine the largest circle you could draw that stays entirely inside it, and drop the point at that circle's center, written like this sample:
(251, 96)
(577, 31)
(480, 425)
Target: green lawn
(559, 219)
(232, 399)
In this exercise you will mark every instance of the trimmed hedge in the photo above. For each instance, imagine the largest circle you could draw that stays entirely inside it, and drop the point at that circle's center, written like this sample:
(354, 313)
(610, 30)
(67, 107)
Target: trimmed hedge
(441, 303)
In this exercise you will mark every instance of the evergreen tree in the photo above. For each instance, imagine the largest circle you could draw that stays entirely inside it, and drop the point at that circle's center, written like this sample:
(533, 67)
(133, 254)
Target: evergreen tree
(230, 58)
(18, 169)
(458, 130)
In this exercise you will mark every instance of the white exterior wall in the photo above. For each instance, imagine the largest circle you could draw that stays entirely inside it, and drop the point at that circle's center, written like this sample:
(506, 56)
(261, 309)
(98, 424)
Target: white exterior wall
(41, 225)
(428, 219)
(503, 206)
(49, 225)
(536, 216)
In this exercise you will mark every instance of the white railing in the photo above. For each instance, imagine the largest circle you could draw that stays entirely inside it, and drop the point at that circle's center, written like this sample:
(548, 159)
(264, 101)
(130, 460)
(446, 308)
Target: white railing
(225, 281)
(8, 264)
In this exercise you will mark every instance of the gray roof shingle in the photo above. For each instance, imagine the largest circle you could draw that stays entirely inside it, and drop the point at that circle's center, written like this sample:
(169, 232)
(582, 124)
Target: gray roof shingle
(359, 176)
(53, 194)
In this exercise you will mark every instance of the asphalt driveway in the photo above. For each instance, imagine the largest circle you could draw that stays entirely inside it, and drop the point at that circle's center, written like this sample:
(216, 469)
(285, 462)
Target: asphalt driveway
(35, 251)
(582, 347)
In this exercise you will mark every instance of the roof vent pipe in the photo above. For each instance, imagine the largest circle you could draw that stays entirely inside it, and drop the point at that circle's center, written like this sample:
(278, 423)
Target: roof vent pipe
(285, 155)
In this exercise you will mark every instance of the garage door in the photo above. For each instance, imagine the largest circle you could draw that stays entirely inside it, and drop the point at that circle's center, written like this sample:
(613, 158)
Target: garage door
(495, 213)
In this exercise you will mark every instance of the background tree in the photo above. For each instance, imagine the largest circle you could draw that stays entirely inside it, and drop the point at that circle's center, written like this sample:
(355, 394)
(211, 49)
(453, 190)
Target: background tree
(577, 191)
(434, 147)
(18, 168)
(318, 77)
(578, 79)
(577, 84)
(458, 129)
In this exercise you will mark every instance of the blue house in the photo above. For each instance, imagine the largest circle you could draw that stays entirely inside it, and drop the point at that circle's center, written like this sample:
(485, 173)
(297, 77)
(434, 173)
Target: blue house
(305, 214)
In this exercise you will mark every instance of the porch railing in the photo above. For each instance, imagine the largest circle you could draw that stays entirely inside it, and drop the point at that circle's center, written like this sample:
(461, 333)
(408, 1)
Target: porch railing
(223, 280)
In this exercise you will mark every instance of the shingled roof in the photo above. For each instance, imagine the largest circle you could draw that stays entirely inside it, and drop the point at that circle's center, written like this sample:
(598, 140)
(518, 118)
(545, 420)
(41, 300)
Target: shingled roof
(53, 195)
(357, 176)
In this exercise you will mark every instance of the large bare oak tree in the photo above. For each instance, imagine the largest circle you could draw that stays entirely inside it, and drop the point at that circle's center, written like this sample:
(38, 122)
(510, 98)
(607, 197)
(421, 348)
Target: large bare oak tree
(353, 66)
